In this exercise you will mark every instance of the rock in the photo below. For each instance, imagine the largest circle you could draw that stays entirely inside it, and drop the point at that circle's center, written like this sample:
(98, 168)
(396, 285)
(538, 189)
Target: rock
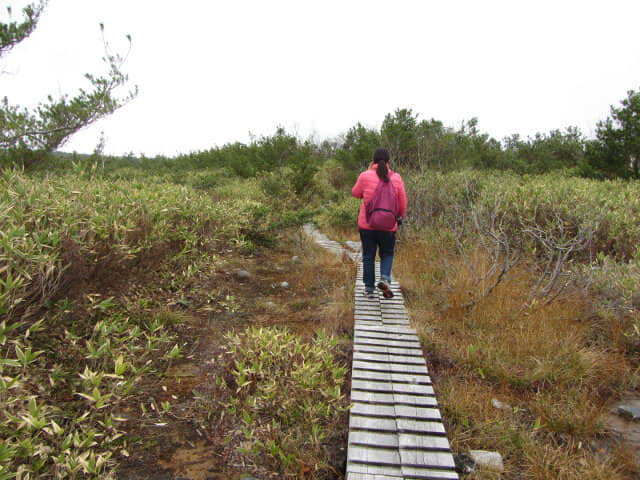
(489, 460)
(629, 412)
(270, 306)
(284, 285)
(295, 259)
(500, 405)
(242, 274)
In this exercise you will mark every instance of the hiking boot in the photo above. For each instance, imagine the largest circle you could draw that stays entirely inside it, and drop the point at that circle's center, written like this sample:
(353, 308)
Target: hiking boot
(384, 288)
(370, 293)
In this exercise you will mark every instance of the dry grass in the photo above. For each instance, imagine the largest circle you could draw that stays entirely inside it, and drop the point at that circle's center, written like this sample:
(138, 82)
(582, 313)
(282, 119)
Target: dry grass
(539, 359)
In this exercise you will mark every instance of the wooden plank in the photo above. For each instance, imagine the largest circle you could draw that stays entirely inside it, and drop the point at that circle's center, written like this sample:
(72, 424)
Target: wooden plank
(381, 341)
(386, 358)
(367, 322)
(420, 426)
(371, 386)
(413, 389)
(409, 352)
(389, 367)
(372, 476)
(373, 456)
(374, 411)
(420, 458)
(423, 442)
(386, 336)
(380, 398)
(389, 387)
(394, 316)
(418, 400)
(390, 329)
(357, 422)
(368, 307)
(391, 377)
(394, 321)
(373, 472)
(398, 411)
(377, 318)
(428, 473)
(417, 413)
(373, 439)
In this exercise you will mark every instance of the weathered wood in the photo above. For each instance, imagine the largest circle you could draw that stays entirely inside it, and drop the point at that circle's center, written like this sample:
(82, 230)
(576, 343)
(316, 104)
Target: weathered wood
(409, 352)
(389, 387)
(395, 321)
(417, 413)
(423, 442)
(386, 336)
(395, 411)
(373, 472)
(409, 379)
(374, 456)
(373, 439)
(386, 398)
(428, 473)
(374, 424)
(387, 358)
(389, 367)
(381, 341)
(431, 427)
(373, 476)
(395, 427)
(420, 458)
(390, 329)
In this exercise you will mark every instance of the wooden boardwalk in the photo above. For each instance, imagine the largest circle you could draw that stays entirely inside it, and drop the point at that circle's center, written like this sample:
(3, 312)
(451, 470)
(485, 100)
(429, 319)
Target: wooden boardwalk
(395, 427)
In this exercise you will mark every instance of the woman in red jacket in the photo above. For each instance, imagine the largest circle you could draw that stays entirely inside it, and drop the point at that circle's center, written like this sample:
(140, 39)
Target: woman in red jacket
(382, 240)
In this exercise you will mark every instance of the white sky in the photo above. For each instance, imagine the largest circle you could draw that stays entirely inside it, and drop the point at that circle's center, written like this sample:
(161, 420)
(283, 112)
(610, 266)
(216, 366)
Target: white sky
(210, 72)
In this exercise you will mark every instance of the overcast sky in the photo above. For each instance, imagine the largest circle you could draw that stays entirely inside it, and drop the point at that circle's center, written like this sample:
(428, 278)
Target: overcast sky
(212, 72)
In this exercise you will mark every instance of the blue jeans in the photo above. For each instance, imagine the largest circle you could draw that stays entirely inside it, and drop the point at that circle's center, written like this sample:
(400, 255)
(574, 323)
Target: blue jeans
(372, 240)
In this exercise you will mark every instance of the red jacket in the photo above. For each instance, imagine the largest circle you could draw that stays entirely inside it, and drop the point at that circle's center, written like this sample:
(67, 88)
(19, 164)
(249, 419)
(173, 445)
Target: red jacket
(366, 185)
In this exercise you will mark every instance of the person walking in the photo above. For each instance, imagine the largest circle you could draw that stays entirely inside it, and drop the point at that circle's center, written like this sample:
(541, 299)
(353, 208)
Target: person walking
(382, 240)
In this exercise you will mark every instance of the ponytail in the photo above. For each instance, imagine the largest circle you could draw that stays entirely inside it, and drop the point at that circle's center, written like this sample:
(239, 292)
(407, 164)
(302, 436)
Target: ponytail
(381, 158)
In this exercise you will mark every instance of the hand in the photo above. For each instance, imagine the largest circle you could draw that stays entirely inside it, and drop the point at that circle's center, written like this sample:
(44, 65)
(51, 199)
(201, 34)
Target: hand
(399, 220)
